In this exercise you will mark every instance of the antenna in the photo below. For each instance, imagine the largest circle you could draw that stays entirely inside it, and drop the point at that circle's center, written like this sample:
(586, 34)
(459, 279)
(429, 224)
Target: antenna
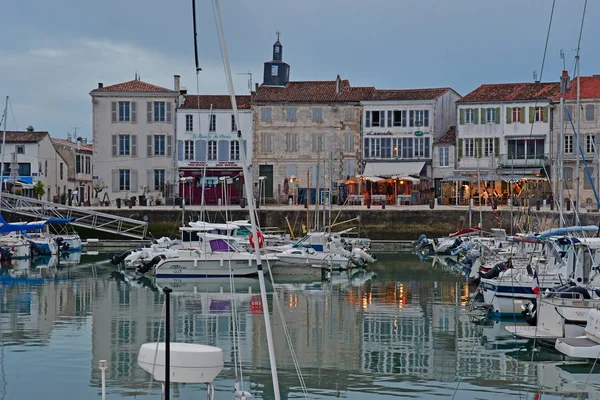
(535, 76)
(249, 79)
(75, 131)
(562, 56)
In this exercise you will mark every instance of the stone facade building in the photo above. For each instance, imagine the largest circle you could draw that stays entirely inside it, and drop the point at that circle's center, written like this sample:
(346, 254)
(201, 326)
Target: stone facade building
(78, 158)
(306, 133)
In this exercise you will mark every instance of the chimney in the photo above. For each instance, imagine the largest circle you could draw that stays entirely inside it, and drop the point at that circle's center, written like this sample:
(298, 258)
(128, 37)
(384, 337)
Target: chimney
(30, 128)
(338, 85)
(84, 140)
(256, 87)
(176, 79)
(564, 82)
(183, 91)
(100, 85)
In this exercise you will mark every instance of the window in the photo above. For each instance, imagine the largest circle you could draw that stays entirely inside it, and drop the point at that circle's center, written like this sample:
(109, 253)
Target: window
(291, 142)
(526, 149)
(375, 147)
(124, 115)
(396, 148)
(444, 156)
(159, 179)
(212, 150)
(587, 183)
(317, 114)
(590, 110)
(516, 114)
(421, 147)
(276, 49)
(233, 124)
(266, 141)
(159, 145)
(212, 123)
(539, 114)
(188, 150)
(407, 147)
(386, 147)
(290, 114)
(274, 70)
(568, 145)
(77, 164)
(569, 113)
(61, 169)
(490, 115)
(159, 111)
(124, 180)
(234, 150)
(348, 142)
(20, 149)
(469, 147)
(265, 114)
(399, 118)
(25, 169)
(88, 165)
(189, 123)
(469, 115)
(421, 118)
(124, 145)
(348, 114)
(590, 146)
(488, 147)
(374, 118)
(317, 142)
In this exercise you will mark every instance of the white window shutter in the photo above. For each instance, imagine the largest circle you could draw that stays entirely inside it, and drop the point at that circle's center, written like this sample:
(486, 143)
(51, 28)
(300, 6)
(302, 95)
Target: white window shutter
(115, 150)
(169, 145)
(113, 107)
(150, 179)
(115, 180)
(134, 180)
(150, 152)
(149, 112)
(133, 112)
(133, 145)
(169, 112)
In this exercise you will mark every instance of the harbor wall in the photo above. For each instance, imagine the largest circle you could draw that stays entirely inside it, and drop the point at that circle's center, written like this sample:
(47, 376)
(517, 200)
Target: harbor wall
(375, 223)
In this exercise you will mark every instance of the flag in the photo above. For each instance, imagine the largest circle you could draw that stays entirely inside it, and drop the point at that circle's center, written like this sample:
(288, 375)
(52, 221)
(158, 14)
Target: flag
(535, 285)
(303, 228)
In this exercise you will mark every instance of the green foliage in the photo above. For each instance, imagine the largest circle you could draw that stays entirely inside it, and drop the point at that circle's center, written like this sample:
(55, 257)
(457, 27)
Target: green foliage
(38, 189)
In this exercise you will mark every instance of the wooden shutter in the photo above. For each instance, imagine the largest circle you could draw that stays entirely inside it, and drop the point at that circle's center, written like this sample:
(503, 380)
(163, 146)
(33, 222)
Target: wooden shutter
(462, 116)
(169, 146)
(476, 116)
(496, 147)
(115, 180)
(115, 146)
(522, 115)
(223, 150)
(150, 179)
(133, 180)
(133, 112)
(133, 145)
(460, 149)
(149, 112)
(169, 117)
(508, 115)
(201, 150)
(150, 152)
(113, 108)
(497, 116)
(532, 113)
(180, 150)
(368, 119)
(546, 114)
(478, 143)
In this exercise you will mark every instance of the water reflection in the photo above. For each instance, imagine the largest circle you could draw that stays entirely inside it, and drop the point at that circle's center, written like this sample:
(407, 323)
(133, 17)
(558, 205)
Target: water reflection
(400, 328)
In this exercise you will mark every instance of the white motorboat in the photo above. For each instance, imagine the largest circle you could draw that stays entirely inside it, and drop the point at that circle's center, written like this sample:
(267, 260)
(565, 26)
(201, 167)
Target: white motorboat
(586, 347)
(307, 256)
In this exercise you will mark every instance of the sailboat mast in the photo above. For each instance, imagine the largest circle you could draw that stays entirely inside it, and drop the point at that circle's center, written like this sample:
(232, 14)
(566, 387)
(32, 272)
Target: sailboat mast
(251, 206)
(561, 160)
(4, 116)
(579, 141)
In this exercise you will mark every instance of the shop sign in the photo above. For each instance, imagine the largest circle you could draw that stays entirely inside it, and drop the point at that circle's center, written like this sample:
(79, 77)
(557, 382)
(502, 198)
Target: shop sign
(419, 133)
(373, 133)
(215, 136)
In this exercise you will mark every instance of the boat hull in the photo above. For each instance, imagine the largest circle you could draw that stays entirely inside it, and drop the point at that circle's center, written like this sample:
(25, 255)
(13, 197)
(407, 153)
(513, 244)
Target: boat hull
(206, 268)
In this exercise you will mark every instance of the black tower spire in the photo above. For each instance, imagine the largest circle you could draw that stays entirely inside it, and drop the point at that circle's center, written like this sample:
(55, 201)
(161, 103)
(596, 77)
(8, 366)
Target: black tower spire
(276, 73)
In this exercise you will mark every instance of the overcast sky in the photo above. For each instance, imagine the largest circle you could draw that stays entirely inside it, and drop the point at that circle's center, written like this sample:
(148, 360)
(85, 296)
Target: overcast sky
(54, 53)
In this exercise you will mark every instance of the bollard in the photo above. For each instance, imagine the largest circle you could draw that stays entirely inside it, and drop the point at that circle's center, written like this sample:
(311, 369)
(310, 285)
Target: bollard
(538, 204)
(369, 203)
(431, 204)
(383, 205)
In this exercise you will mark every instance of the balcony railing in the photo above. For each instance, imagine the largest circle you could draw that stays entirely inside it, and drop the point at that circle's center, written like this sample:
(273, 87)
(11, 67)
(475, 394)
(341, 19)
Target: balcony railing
(523, 160)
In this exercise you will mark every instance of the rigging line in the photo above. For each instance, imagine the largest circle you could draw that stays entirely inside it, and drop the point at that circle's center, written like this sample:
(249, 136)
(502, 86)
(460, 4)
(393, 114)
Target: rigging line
(162, 315)
(547, 40)
(13, 115)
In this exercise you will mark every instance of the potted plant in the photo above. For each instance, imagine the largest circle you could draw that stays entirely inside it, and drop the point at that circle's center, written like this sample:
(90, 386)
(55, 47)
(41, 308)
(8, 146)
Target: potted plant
(38, 189)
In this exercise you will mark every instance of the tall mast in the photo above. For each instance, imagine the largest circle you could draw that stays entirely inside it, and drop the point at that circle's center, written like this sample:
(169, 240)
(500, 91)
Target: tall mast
(579, 141)
(251, 206)
(561, 159)
(4, 116)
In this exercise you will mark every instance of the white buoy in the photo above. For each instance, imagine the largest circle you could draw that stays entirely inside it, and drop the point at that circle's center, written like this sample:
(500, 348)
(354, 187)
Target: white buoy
(190, 363)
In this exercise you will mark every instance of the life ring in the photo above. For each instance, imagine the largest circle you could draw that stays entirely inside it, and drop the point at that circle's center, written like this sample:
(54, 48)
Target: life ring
(261, 239)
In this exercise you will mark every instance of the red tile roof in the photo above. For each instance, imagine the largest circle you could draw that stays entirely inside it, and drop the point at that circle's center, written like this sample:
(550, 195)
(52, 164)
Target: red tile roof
(502, 92)
(448, 137)
(590, 88)
(409, 94)
(312, 92)
(24, 136)
(63, 142)
(133, 86)
(218, 102)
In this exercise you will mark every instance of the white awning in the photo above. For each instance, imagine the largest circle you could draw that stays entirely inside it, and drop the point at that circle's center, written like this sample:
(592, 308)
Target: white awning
(390, 169)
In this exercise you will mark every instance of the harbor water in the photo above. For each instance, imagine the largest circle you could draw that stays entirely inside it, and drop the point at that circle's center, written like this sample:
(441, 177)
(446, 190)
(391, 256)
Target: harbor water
(403, 328)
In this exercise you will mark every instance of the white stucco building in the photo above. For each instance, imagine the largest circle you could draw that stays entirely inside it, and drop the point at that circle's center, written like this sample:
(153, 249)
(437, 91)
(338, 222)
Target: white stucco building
(134, 138)
(78, 158)
(30, 156)
(207, 136)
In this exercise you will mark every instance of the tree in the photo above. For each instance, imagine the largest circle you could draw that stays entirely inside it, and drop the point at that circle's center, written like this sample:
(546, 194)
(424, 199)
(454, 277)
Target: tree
(99, 186)
(38, 189)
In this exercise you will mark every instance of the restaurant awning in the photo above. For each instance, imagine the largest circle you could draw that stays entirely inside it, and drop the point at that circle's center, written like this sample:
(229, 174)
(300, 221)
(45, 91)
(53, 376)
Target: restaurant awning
(390, 169)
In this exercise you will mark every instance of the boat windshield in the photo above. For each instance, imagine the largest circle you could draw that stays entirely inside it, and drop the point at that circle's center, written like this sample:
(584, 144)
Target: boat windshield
(223, 246)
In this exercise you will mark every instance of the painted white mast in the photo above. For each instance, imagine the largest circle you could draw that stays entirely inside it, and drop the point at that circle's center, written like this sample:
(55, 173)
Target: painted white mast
(251, 206)
(4, 116)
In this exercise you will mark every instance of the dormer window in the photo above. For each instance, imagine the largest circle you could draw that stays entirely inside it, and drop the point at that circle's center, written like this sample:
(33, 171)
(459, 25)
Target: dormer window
(274, 69)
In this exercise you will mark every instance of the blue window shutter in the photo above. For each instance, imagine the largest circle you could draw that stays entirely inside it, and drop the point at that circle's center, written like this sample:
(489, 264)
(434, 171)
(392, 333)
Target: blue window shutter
(223, 150)
(200, 150)
(180, 150)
